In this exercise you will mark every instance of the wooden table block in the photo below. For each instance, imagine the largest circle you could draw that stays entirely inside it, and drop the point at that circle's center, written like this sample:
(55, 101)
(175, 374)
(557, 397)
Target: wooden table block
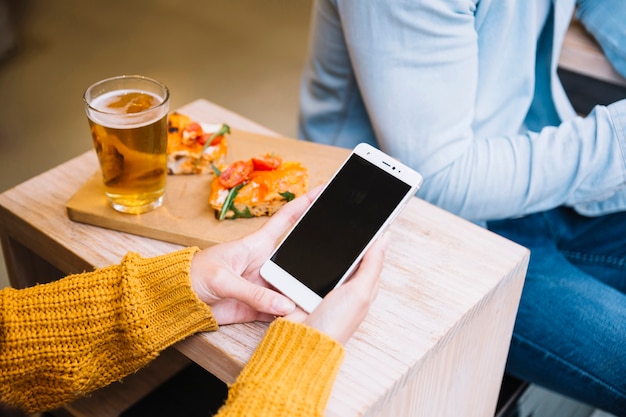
(434, 343)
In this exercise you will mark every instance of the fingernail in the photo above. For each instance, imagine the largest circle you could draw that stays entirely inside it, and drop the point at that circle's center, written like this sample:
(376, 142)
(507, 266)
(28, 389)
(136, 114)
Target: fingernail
(283, 306)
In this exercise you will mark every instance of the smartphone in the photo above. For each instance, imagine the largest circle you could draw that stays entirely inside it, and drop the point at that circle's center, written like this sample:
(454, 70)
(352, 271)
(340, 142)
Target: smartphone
(326, 244)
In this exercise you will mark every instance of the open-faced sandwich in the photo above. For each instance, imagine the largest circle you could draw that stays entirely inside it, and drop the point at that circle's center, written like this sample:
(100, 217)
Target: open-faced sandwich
(256, 187)
(192, 147)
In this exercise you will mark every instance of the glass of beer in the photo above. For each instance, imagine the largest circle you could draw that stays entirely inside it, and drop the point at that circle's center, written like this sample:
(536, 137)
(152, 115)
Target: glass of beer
(128, 120)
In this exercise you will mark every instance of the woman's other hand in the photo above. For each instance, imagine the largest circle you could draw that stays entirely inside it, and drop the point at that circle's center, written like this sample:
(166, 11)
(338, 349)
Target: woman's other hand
(341, 312)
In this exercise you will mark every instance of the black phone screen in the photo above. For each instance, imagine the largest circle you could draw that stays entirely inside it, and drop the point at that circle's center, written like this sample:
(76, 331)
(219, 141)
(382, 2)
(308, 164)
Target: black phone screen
(340, 224)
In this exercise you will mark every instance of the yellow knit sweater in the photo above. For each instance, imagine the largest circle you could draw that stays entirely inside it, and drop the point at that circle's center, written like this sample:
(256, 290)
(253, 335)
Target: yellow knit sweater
(62, 340)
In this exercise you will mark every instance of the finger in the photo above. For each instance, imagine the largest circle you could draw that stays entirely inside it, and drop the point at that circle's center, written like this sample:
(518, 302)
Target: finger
(298, 316)
(230, 311)
(282, 220)
(259, 298)
(352, 300)
(368, 273)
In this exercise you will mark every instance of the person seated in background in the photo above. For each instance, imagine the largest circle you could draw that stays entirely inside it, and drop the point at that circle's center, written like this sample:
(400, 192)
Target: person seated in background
(62, 340)
(467, 93)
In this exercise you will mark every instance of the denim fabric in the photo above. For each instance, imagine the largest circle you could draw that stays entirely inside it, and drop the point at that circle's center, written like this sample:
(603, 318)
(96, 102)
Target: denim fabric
(605, 20)
(467, 93)
(570, 333)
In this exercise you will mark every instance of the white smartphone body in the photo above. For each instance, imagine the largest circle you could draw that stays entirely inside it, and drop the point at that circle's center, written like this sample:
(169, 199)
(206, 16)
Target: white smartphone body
(327, 243)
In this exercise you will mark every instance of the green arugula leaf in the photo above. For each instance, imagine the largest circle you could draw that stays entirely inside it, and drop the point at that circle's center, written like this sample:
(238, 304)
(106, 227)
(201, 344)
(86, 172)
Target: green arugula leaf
(216, 170)
(287, 196)
(241, 214)
(228, 202)
(224, 129)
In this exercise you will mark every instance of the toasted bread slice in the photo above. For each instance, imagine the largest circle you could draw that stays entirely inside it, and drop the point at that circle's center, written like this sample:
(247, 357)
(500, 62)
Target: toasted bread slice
(264, 192)
(185, 143)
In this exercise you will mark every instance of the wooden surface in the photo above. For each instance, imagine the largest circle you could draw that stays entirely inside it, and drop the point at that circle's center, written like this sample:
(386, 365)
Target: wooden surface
(582, 54)
(186, 217)
(433, 344)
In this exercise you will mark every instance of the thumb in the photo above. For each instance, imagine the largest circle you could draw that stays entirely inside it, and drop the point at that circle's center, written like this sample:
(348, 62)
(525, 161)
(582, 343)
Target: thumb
(257, 297)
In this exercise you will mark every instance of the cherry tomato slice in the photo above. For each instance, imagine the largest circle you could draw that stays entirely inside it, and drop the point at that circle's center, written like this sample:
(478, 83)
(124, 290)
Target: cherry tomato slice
(206, 136)
(194, 129)
(235, 173)
(266, 163)
(216, 140)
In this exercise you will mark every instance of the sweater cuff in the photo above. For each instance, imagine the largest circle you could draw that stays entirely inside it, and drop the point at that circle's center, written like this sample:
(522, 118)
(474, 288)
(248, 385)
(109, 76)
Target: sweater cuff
(291, 373)
(170, 309)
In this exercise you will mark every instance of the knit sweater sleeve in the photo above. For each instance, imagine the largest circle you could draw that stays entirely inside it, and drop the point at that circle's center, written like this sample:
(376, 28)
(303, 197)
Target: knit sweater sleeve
(62, 340)
(291, 373)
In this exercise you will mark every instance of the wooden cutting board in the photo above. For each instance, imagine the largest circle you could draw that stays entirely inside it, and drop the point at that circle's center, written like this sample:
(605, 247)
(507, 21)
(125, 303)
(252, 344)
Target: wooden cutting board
(185, 216)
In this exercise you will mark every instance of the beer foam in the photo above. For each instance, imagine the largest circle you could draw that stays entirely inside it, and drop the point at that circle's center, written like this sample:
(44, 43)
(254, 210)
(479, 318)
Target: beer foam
(100, 111)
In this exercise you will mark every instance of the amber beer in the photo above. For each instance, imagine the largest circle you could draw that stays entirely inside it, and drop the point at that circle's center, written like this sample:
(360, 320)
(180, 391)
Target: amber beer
(128, 120)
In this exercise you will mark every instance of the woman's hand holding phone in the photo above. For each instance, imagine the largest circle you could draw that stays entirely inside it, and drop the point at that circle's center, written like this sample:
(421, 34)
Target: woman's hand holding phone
(227, 278)
(341, 312)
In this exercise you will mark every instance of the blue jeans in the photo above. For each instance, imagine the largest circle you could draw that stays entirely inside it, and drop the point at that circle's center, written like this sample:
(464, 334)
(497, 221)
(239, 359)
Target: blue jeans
(570, 331)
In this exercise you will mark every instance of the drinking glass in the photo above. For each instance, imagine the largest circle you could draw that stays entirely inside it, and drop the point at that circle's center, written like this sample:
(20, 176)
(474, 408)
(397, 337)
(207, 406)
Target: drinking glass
(128, 121)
